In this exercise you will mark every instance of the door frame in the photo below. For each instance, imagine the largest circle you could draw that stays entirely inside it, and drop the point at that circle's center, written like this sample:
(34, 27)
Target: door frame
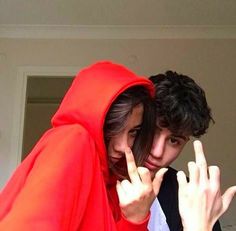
(23, 73)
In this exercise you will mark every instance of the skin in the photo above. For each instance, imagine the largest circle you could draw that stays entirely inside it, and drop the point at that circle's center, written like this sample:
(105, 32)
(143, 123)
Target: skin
(197, 213)
(125, 139)
(166, 148)
(136, 195)
(200, 200)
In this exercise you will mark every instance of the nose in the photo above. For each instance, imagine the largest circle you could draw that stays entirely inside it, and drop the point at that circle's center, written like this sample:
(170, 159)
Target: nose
(158, 146)
(121, 144)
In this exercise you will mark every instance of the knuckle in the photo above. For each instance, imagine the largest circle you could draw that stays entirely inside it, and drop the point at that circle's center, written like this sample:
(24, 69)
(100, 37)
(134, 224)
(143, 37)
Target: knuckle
(202, 164)
(204, 190)
(123, 205)
(132, 170)
(147, 191)
(142, 169)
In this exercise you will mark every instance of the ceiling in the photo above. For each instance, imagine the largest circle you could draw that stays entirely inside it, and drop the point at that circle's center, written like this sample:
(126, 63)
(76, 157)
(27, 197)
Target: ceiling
(118, 12)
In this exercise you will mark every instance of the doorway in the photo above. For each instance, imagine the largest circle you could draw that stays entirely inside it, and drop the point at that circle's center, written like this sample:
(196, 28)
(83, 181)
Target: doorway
(43, 96)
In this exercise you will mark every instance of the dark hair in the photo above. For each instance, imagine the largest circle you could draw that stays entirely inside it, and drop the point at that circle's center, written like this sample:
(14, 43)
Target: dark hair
(181, 104)
(116, 119)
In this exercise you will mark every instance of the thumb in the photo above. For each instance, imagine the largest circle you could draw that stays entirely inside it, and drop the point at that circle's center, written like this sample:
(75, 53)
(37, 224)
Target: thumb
(120, 192)
(227, 197)
(156, 183)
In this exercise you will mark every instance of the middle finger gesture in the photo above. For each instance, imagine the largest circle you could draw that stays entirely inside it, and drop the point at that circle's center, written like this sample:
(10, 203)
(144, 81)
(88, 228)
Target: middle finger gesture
(137, 195)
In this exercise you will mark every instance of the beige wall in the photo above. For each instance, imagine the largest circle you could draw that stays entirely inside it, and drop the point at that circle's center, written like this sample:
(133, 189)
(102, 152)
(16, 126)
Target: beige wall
(211, 62)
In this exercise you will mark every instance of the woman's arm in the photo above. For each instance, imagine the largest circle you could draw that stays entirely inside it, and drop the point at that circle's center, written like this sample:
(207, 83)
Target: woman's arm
(52, 193)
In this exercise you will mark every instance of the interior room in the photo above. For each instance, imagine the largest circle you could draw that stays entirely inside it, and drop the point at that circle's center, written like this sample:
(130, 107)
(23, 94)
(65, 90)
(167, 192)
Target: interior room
(43, 44)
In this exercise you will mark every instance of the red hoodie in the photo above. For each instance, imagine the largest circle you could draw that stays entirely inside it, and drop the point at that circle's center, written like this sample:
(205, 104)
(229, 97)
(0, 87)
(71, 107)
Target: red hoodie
(64, 183)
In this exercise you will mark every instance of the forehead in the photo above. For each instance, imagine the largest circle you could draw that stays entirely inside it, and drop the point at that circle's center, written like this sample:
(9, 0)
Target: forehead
(175, 128)
(137, 110)
(136, 113)
(168, 132)
(133, 122)
(134, 118)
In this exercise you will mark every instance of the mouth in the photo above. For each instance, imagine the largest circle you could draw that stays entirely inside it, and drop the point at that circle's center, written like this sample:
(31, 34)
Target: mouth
(151, 166)
(115, 159)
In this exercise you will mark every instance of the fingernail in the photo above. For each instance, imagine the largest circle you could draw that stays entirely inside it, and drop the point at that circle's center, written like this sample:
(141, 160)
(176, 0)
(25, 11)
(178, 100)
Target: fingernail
(165, 170)
(197, 142)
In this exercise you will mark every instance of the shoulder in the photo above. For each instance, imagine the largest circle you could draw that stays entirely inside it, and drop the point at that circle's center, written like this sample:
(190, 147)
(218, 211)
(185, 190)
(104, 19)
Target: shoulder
(65, 144)
(66, 135)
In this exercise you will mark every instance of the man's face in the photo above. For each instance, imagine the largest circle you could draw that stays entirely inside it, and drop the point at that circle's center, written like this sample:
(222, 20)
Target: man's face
(166, 148)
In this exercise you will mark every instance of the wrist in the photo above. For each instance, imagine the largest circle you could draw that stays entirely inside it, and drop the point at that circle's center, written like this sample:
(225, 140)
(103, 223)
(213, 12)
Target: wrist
(197, 228)
(137, 218)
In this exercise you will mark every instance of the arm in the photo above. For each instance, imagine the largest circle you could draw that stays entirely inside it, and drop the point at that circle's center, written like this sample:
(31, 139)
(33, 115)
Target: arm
(53, 183)
(200, 200)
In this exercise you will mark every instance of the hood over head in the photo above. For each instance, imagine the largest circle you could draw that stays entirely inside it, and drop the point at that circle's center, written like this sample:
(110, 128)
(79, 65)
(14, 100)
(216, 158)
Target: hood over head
(90, 96)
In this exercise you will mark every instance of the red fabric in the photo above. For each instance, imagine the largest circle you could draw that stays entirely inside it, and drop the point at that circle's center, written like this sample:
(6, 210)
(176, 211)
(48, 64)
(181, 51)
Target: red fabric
(64, 183)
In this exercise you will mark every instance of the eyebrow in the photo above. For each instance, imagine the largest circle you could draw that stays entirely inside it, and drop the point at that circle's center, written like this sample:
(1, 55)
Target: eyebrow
(185, 138)
(136, 127)
(181, 137)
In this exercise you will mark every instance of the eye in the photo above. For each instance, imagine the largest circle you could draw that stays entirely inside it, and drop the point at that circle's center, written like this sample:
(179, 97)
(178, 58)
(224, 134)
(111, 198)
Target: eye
(134, 132)
(173, 140)
(176, 141)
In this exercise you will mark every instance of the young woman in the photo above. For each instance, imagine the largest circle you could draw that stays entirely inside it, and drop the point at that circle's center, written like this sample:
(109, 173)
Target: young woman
(68, 181)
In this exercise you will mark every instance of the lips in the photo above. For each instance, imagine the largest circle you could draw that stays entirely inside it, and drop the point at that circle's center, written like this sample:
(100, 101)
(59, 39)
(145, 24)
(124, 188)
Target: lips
(115, 158)
(151, 166)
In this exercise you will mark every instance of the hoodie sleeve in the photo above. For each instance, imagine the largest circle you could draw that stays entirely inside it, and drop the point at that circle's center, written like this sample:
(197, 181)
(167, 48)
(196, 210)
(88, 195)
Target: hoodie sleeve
(125, 225)
(56, 187)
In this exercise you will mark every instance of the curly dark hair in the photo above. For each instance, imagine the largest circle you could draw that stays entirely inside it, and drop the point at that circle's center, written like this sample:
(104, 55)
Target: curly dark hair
(181, 104)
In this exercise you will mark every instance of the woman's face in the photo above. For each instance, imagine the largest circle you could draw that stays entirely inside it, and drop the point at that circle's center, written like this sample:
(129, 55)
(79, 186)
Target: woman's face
(125, 138)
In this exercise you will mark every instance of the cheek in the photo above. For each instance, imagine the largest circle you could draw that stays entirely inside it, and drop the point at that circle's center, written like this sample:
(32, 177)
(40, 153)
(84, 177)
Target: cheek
(172, 155)
(109, 149)
(131, 141)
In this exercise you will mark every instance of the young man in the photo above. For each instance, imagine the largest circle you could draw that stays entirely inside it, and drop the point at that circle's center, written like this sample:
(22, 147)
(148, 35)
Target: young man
(182, 112)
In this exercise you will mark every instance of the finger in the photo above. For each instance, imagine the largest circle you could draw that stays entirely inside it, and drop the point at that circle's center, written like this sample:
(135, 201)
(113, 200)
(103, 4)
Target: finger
(182, 181)
(214, 177)
(126, 186)
(145, 175)
(156, 183)
(120, 192)
(228, 197)
(131, 166)
(183, 184)
(193, 173)
(200, 161)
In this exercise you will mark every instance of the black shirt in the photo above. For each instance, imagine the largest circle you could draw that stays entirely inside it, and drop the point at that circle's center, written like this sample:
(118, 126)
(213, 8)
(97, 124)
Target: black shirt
(168, 199)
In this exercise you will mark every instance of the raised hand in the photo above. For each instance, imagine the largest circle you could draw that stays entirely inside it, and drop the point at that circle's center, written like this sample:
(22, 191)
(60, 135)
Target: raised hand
(200, 200)
(137, 195)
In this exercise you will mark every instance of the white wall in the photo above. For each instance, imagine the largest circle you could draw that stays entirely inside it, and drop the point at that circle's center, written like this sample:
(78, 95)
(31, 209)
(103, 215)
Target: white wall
(210, 62)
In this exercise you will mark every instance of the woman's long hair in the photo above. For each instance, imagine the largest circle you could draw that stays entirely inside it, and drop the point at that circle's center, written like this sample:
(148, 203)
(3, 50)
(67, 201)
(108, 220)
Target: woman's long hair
(116, 120)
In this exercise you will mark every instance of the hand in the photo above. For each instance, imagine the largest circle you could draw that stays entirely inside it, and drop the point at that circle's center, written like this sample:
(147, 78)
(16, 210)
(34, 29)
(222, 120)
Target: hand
(137, 195)
(200, 201)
